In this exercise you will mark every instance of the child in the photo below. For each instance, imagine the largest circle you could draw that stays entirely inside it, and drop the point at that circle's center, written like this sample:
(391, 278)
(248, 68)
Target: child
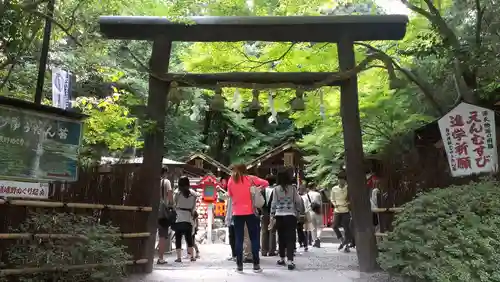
(195, 231)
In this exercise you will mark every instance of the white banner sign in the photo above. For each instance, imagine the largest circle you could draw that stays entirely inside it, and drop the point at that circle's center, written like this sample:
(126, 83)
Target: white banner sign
(15, 189)
(61, 89)
(469, 138)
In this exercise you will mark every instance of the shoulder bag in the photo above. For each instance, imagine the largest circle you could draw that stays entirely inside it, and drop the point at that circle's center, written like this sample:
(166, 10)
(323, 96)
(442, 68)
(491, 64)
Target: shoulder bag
(258, 200)
(315, 207)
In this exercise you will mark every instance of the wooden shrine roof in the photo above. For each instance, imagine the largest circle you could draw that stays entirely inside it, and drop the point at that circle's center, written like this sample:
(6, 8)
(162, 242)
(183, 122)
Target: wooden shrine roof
(273, 152)
(269, 28)
(209, 160)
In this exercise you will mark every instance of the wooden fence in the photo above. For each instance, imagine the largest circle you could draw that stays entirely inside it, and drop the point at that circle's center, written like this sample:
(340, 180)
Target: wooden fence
(109, 197)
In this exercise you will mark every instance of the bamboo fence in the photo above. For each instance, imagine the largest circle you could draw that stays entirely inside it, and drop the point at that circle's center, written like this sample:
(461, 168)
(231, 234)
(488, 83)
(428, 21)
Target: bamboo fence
(31, 270)
(111, 197)
(49, 204)
(11, 236)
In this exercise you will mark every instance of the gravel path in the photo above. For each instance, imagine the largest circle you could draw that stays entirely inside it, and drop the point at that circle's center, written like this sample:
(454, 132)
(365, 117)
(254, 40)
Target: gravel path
(324, 264)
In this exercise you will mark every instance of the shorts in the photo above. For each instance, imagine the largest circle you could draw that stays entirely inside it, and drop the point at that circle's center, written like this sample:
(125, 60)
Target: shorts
(162, 232)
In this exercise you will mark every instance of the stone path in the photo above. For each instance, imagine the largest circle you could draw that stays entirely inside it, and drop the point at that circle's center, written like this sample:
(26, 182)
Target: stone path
(324, 264)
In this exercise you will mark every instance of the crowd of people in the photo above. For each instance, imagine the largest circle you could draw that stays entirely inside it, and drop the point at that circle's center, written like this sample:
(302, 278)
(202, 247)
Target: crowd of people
(265, 217)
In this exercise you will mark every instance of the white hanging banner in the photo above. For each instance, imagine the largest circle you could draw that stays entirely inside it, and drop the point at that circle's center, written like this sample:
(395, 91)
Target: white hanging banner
(321, 105)
(236, 100)
(274, 114)
(469, 138)
(61, 89)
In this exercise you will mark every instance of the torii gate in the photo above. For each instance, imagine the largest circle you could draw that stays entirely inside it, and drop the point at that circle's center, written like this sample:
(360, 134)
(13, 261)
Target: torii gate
(342, 30)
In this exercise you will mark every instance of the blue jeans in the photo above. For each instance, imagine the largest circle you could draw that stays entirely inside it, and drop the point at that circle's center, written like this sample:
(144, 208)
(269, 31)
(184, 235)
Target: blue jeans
(253, 226)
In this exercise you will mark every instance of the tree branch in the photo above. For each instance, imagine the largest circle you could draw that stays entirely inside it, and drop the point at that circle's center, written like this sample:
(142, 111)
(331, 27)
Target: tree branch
(423, 86)
(261, 63)
(55, 22)
(434, 17)
(462, 60)
(16, 59)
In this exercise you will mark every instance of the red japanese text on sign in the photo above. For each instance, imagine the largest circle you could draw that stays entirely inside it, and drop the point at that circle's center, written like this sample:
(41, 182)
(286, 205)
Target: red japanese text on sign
(468, 134)
(15, 189)
(456, 121)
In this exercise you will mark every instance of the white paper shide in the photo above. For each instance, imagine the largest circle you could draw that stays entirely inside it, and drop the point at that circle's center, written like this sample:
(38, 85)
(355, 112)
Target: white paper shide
(469, 138)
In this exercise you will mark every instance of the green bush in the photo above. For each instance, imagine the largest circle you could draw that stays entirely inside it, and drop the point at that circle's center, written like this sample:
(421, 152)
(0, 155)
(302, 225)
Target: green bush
(95, 249)
(450, 234)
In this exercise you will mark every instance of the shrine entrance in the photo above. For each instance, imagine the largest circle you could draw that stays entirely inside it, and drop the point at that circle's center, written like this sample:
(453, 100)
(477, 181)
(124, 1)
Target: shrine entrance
(341, 30)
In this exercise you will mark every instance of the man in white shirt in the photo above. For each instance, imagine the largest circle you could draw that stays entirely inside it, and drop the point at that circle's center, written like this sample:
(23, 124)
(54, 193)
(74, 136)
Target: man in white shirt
(342, 216)
(313, 206)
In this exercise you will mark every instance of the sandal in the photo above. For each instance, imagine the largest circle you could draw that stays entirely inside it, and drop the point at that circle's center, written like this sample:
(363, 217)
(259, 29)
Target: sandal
(178, 260)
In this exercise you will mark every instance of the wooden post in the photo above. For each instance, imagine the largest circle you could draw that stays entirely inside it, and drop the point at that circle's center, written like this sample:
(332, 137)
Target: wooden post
(150, 171)
(366, 247)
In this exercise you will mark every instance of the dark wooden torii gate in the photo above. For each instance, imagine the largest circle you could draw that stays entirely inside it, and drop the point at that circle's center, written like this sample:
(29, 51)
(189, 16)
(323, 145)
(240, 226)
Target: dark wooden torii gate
(342, 30)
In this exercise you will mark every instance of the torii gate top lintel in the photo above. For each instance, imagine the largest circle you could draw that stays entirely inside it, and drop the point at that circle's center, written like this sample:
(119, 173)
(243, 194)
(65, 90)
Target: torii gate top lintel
(271, 28)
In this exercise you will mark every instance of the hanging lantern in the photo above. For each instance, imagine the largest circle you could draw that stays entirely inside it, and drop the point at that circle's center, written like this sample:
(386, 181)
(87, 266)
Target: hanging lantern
(175, 94)
(255, 105)
(297, 103)
(217, 103)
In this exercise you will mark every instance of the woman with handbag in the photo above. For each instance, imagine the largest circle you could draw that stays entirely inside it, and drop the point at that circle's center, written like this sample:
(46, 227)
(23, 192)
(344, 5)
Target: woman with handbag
(286, 206)
(243, 189)
(185, 205)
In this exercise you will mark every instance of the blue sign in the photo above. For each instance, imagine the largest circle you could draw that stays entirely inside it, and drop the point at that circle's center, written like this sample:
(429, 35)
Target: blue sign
(39, 147)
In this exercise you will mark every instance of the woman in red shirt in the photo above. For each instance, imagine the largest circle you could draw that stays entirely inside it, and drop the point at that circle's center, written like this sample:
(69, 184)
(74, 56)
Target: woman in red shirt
(239, 190)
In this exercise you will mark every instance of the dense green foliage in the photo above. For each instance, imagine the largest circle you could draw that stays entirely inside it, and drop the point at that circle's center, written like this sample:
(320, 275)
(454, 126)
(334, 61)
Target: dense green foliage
(97, 248)
(447, 235)
(443, 58)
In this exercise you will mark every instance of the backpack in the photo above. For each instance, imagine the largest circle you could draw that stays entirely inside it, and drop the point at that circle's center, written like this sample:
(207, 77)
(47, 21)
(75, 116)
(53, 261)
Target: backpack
(315, 207)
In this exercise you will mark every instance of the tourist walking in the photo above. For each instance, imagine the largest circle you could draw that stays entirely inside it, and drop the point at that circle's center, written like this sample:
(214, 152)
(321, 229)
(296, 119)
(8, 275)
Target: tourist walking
(185, 205)
(165, 216)
(268, 236)
(313, 205)
(342, 216)
(285, 206)
(239, 189)
(302, 224)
